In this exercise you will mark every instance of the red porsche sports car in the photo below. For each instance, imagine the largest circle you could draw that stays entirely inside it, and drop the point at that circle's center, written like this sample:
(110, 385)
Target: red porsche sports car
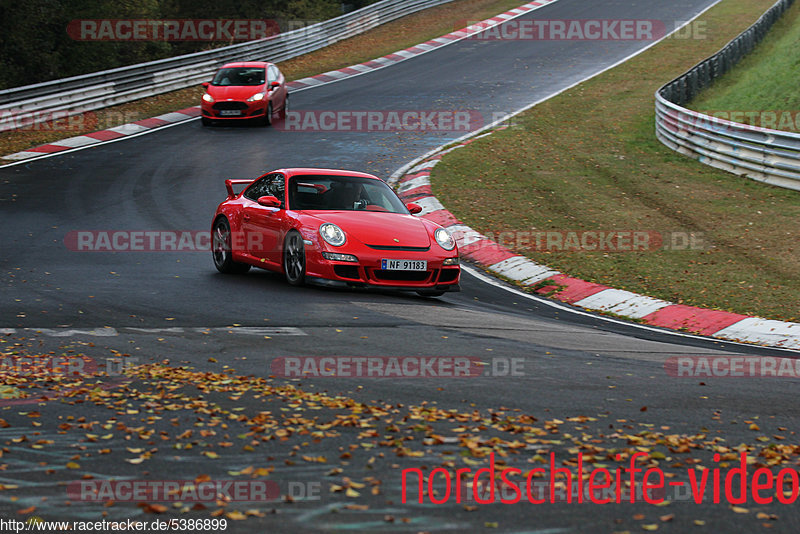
(332, 227)
(246, 90)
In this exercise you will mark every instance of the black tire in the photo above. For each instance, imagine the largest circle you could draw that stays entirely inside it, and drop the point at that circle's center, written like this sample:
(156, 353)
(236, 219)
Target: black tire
(430, 293)
(267, 120)
(282, 114)
(294, 258)
(285, 107)
(221, 249)
(205, 121)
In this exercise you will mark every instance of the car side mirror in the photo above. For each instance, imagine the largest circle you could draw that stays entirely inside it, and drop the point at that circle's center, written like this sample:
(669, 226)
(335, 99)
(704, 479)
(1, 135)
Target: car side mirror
(206, 84)
(274, 85)
(413, 208)
(269, 201)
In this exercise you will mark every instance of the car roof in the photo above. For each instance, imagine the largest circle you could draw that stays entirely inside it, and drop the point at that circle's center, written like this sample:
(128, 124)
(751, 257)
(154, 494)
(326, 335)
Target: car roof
(295, 171)
(246, 64)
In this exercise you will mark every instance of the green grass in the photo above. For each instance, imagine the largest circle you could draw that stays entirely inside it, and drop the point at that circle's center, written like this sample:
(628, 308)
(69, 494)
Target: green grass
(765, 80)
(588, 159)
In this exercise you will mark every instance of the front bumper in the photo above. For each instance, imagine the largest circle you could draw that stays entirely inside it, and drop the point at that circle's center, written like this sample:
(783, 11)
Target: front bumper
(450, 288)
(248, 110)
(367, 272)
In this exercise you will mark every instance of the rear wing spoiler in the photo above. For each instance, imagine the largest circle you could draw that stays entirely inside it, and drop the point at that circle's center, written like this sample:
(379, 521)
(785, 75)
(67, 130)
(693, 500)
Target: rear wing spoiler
(236, 181)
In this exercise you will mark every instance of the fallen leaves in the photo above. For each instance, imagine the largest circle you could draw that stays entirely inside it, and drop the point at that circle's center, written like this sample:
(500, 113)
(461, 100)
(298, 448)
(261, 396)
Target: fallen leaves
(301, 422)
(153, 508)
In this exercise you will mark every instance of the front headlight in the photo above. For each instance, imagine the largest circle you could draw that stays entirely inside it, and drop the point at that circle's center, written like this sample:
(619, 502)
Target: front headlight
(444, 239)
(256, 97)
(208, 98)
(332, 234)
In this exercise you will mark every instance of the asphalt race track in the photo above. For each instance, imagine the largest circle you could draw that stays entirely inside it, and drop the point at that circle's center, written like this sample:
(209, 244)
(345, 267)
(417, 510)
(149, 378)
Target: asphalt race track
(175, 306)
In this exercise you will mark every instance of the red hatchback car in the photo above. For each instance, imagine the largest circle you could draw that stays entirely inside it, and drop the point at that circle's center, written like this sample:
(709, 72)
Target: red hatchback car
(246, 90)
(332, 227)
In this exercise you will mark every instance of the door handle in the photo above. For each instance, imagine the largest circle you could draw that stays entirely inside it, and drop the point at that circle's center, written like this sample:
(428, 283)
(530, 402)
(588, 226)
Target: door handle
(246, 217)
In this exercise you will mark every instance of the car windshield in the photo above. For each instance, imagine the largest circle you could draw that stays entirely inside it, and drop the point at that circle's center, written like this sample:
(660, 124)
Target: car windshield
(342, 193)
(239, 76)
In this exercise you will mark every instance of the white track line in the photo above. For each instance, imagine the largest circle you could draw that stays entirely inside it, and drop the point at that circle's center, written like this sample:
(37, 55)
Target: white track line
(563, 307)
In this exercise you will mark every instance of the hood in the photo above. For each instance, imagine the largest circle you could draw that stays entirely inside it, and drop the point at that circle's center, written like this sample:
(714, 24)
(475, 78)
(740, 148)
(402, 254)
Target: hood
(378, 228)
(234, 92)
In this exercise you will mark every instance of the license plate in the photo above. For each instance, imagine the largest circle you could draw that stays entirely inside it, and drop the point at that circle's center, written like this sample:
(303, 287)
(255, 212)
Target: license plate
(230, 112)
(404, 265)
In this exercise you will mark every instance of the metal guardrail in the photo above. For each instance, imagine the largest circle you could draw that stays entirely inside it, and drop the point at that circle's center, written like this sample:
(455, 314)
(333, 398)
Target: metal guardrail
(78, 94)
(766, 155)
